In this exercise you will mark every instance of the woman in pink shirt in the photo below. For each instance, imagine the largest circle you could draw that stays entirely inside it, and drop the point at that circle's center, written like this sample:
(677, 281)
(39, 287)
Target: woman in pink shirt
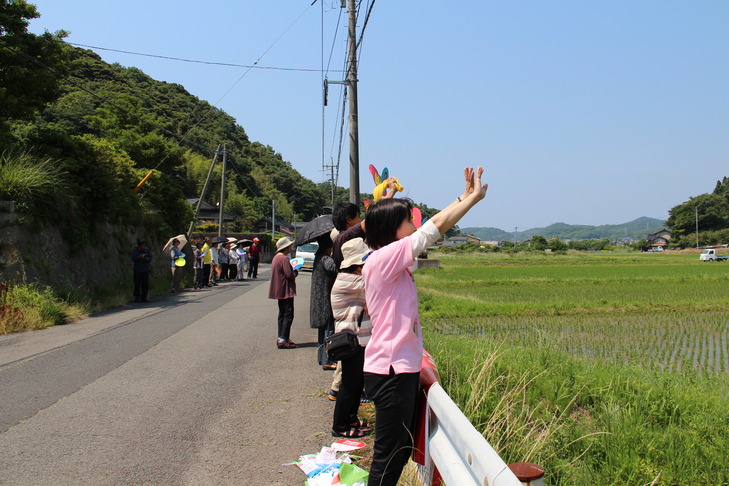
(394, 352)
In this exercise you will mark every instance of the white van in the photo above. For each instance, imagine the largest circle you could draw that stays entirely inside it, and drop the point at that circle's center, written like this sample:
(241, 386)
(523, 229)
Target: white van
(307, 252)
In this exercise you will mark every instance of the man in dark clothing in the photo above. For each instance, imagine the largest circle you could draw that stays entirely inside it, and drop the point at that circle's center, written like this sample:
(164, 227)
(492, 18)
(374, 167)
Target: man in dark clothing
(141, 256)
(346, 216)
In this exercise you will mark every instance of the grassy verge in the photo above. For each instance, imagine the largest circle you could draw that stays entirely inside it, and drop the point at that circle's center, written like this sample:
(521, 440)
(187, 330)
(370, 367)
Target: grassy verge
(603, 368)
(29, 306)
(588, 421)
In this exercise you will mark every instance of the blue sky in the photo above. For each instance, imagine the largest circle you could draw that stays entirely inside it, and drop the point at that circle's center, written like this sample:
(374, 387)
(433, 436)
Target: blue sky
(580, 112)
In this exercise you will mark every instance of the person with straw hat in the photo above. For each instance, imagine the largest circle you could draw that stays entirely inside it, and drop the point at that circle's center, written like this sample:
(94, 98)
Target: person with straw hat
(283, 288)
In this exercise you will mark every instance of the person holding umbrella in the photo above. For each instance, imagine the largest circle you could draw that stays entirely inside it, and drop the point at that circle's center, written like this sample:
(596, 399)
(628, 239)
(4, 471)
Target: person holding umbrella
(283, 288)
(320, 308)
(175, 254)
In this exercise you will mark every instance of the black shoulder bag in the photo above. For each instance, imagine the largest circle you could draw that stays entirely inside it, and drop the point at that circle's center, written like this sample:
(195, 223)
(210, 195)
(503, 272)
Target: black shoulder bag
(343, 344)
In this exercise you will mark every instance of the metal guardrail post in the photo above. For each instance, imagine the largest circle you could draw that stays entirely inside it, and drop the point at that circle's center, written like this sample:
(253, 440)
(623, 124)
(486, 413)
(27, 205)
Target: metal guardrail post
(529, 474)
(448, 448)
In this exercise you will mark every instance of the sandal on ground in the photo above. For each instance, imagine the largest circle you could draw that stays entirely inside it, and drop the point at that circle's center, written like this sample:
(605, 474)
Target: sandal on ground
(360, 424)
(351, 433)
(332, 395)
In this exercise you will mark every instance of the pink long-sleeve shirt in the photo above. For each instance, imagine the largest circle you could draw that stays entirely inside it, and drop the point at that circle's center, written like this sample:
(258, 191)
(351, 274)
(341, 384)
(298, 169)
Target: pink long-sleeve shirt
(392, 302)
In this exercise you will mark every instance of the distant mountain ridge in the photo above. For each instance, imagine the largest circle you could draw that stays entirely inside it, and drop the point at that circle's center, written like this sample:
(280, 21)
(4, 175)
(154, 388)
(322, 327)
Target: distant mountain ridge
(636, 229)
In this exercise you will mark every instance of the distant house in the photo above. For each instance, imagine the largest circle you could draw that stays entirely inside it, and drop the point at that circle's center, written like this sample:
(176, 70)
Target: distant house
(263, 225)
(659, 239)
(460, 240)
(209, 213)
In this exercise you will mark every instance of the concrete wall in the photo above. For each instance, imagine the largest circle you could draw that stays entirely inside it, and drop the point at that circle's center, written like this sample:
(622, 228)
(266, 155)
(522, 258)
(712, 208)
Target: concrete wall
(42, 255)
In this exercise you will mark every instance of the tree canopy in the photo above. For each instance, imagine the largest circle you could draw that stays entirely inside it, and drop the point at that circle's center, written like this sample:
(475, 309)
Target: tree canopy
(709, 211)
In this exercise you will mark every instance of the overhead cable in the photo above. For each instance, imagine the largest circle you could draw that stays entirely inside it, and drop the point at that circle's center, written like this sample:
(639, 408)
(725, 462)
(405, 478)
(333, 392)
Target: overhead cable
(212, 63)
(25, 56)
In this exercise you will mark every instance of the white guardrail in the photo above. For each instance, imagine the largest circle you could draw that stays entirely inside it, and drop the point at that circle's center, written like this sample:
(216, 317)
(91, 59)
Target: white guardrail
(451, 451)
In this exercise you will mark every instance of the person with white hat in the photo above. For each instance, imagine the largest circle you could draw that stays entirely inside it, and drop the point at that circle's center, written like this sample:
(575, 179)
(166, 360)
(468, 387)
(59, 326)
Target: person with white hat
(348, 307)
(283, 288)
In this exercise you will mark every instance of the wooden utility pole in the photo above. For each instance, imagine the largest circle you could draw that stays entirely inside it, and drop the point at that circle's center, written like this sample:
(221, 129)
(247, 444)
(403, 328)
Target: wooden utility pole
(202, 195)
(351, 83)
(353, 114)
(222, 195)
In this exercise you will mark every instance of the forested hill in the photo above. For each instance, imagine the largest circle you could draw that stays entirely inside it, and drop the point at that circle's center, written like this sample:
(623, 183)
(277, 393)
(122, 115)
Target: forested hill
(112, 124)
(636, 229)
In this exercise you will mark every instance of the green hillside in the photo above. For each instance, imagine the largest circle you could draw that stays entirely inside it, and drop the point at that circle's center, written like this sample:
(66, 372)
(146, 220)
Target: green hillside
(102, 127)
(635, 229)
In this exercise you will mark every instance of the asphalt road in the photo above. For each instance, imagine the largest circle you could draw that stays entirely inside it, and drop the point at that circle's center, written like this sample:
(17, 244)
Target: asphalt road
(189, 389)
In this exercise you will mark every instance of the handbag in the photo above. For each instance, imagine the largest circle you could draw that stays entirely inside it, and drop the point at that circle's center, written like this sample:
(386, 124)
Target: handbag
(341, 345)
(345, 343)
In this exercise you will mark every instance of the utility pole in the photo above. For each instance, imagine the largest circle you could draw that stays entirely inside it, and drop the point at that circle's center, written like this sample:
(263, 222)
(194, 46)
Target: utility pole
(353, 110)
(202, 194)
(351, 83)
(222, 195)
(273, 219)
(333, 180)
(696, 208)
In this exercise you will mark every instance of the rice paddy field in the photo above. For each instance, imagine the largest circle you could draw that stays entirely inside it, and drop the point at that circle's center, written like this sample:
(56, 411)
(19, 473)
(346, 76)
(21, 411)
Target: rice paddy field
(605, 368)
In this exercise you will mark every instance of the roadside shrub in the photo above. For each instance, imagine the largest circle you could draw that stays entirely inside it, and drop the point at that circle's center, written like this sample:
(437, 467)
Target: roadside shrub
(30, 306)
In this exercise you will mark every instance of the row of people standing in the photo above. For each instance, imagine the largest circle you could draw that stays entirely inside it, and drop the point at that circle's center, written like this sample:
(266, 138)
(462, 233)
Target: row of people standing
(224, 261)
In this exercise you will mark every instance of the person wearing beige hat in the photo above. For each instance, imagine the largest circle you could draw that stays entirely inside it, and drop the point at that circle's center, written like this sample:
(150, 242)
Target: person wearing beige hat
(348, 307)
(283, 288)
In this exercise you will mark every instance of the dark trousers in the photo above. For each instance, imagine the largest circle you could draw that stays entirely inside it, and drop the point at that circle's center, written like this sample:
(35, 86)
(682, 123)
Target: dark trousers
(285, 318)
(206, 274)
(141, 285)
(395, 397)
(323, 333)
(232, 270)
(253, 267)
(176, 278)
(198, 278)
(350, 391)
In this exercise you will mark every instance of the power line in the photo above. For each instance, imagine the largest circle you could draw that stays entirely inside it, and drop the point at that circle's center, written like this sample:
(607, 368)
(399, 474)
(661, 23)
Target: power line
(25, 56)
(367, 19)
(196, 61)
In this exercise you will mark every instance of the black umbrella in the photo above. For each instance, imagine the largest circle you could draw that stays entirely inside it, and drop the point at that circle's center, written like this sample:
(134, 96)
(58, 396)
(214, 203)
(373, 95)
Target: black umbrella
(314, 229)
(244, 243)
(218, 239)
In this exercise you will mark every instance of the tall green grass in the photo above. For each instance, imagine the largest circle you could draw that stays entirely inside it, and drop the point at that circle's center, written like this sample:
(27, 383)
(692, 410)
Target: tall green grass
(37, 185)
(28, 307)
(603, 368)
